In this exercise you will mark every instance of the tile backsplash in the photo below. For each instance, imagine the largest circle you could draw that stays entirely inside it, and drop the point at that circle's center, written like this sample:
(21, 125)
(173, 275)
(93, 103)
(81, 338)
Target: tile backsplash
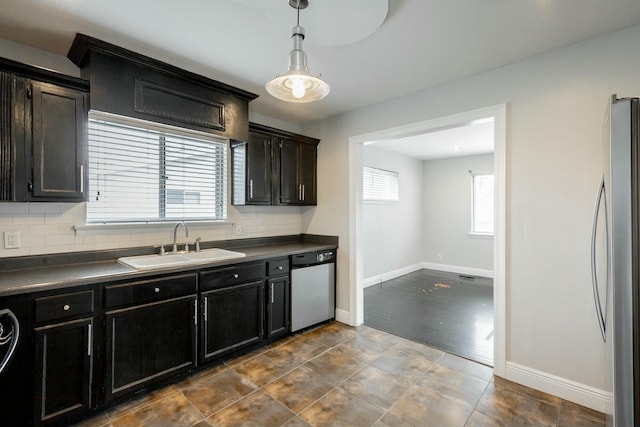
(47, 228)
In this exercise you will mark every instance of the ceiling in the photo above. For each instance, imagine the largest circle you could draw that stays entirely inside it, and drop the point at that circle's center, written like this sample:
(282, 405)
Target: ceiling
(416, 44)
(465, 139)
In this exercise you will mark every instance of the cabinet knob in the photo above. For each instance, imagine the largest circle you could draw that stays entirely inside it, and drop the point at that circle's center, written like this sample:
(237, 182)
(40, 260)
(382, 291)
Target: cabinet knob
(66, 307)
(156, 290)
(279, 267)
(235, 276)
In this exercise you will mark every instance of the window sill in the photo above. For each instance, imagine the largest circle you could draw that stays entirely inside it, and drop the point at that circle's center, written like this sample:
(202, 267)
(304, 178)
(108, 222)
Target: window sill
(480, 235)
(148, 225)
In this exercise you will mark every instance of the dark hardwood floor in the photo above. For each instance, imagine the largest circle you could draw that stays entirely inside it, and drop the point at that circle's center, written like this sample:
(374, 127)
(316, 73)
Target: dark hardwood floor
(444, 310)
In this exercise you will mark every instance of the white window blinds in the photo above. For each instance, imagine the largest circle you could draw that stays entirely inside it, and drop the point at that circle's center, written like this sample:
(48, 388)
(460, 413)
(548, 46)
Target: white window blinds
(145, 172)
(379, 185)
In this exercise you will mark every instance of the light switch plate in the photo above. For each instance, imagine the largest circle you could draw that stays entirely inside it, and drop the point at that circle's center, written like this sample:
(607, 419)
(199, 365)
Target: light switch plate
(11, 239)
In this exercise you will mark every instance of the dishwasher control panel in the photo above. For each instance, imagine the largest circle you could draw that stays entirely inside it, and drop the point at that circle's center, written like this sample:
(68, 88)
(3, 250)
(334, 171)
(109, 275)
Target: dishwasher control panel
(313, 258)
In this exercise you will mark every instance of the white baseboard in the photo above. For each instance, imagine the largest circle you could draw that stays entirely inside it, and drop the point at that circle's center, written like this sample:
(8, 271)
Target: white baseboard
(572, 391)
(343, 316)
(458, 269)
(374, 280)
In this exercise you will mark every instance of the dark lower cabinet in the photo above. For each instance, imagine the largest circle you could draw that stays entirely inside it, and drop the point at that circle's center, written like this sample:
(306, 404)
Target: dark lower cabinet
(63, 370)
(233, 317)
(277, 307)
(149, 342)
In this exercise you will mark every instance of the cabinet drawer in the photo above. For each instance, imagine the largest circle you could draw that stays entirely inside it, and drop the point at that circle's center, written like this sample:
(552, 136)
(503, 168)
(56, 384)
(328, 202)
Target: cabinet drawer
(58, 307)
(230, 276)
(277, 267)
(150, 290)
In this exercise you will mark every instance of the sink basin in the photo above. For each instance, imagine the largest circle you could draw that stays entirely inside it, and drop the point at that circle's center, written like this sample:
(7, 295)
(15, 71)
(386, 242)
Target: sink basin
(214, 254)
(149, 262)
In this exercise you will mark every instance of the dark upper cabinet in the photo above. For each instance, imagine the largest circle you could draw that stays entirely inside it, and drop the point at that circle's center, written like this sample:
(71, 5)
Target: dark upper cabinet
(133, 85)
(58, 140)
(274, 167)
(252, 164)
(43, 134)
(297, 173)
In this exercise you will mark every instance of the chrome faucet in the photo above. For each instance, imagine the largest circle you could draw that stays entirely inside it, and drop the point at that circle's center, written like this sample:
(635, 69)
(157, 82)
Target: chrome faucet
(175, 231)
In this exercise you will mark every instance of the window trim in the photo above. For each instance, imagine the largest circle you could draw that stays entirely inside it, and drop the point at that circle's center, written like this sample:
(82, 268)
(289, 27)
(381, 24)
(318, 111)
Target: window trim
(166, 129)
(472, 232)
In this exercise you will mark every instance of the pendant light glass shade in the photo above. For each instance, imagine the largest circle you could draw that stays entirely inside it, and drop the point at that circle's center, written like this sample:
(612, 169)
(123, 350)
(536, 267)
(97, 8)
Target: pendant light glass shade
(297, 84)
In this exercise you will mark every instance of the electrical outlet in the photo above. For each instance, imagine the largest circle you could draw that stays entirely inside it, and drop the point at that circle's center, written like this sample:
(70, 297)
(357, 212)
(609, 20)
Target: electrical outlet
(11, 239)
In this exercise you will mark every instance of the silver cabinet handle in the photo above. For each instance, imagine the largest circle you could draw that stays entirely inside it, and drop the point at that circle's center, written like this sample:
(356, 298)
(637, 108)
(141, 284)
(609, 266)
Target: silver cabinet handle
(271, 286)
(303, 192)
(156, 290)
(81, 179)
(279, 267)
(251, 189)
(594, 277)
(66, 307)
(205, 311)
(89, 339)
(195, 313)
(235, 276)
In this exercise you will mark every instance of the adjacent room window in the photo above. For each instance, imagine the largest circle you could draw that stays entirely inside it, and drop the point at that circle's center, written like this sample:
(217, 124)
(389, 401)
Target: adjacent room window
(379, 185)
(146, 172)
(482, 204)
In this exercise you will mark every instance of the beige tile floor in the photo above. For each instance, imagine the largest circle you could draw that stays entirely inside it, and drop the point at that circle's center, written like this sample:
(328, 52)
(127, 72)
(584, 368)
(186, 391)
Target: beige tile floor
(337, 375)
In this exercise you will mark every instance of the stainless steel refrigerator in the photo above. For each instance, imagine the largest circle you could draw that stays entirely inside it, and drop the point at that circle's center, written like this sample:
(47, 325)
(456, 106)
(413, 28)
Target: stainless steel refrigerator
(615, 260)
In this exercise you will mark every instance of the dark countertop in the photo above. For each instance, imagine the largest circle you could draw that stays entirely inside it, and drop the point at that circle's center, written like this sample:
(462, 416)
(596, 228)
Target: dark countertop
(26, 280)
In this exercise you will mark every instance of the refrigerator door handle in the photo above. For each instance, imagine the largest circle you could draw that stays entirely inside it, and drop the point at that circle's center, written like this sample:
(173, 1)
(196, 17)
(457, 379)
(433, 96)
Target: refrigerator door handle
(594, 277)
(8, 337)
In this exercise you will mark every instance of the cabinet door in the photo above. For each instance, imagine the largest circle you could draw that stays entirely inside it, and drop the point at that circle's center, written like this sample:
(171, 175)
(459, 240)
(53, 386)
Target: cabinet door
(149, 342)
(277, 306)
(232, 318)
(59, 137)
(259, 169)
(307, 164)
(63, 370)
(288, 179)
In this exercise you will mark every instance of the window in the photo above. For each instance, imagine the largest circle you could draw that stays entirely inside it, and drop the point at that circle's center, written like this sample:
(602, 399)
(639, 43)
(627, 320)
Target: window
(482, 204)
(145, 172)
(379, 185)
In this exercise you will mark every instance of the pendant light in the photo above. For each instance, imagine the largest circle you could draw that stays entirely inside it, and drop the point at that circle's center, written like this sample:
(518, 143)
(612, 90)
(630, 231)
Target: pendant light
(297, 84)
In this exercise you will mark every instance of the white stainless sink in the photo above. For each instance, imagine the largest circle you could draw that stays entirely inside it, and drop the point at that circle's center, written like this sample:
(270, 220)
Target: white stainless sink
(149, 262)
(214, 254)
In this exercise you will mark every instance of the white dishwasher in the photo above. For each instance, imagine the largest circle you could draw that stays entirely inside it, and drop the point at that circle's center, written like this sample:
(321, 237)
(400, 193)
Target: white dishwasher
(313, 279)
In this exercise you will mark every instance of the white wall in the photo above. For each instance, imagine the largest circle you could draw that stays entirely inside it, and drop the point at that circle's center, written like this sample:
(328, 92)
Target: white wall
(556, 109)
(47, 228)
(447, 213)
(392, 231)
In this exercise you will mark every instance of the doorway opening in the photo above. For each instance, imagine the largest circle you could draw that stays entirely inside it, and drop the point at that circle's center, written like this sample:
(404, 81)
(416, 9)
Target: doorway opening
(497, 115)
